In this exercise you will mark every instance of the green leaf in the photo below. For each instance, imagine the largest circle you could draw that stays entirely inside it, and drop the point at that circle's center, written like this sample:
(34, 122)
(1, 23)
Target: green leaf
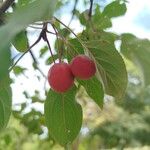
(100, 21)
(5, 61)
(138, 51)
(43, 51)
(5, 103)
(110, 65)
(74, 48)
(114, 9)
(88, 35)
(94, 89)
(20, 41)
(50, 59)
(63, 116)
(18, 70)
(83, 17)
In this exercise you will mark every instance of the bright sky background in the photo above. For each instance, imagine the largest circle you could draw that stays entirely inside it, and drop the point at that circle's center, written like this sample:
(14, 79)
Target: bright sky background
(136, 21)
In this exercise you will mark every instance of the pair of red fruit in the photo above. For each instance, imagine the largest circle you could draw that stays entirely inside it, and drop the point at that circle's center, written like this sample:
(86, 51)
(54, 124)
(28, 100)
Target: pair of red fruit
(61, 75)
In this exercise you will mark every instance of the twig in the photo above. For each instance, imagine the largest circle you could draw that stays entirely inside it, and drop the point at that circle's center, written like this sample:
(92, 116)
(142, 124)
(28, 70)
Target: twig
(15, 56)
(90, 10)
(60, 51)
(73, 11)
(51, 32)
(49, 46)
(36, 63)
(25, 53)
(44, 36)
(80, 41)
(39, 38)
(65, 26)
(61, 37)
(34, 27)
(5, 6)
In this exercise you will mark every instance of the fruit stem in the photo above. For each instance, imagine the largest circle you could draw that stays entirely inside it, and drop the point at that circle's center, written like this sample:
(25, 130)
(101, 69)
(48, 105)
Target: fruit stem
(44, 36)
(60, 52)
(80, 41)
(59, 36)
(49, 46)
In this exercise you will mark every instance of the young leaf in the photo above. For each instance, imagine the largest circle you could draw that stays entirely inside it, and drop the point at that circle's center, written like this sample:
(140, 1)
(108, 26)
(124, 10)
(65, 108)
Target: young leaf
(138, 51)
(5, 103)
(49, 60)
(43, 51)
(111, 67)
(94, 89)
(100, 21)
(20, 41)
(114, 9)
(18, 70)
(63, 116)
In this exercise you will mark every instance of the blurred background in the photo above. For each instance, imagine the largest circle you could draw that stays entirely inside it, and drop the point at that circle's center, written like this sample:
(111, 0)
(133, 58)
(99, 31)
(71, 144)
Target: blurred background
(120, 125)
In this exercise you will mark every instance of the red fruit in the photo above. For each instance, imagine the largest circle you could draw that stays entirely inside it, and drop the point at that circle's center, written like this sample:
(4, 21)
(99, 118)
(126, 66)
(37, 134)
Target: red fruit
(60, 77)
(83, 67)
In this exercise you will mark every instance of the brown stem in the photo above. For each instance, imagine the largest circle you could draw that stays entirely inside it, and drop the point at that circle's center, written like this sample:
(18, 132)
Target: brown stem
(44, 36)
(49, 46)
(25, 53)
(64, 40)
(65, 26)
(60, 52)
(36, 63)
(90, 10)
(51, 32)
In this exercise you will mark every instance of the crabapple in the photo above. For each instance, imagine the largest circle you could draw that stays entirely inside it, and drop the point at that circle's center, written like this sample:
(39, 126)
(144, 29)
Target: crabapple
(83, 67)
(60, 77)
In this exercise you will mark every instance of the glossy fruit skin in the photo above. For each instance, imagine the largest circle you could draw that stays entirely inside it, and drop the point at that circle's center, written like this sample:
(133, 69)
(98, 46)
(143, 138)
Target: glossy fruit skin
(60, 77)
(83, 67)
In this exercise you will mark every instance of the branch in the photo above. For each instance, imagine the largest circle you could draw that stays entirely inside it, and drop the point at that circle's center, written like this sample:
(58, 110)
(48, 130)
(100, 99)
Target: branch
(36, 63)
(5, 6)
(90, 10)
(73, 11)
(24, 53)
(65, 26)
(60, 52)
(80, 41)
(44, 36)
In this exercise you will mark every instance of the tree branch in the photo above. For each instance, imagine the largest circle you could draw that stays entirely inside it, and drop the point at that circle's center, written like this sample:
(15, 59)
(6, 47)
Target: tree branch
(36, 64)
(24, 53)
(5, 5)
(90, 10)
